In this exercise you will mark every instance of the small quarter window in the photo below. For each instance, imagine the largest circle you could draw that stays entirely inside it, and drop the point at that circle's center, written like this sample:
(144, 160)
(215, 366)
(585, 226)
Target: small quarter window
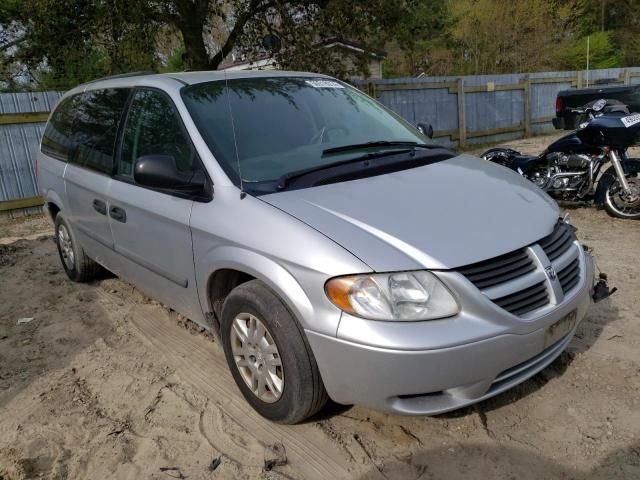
(153, 128)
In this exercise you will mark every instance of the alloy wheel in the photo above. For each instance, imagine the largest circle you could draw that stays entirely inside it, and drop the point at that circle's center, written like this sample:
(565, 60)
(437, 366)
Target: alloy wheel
(626, 204)
(257, 357)
(66, 247)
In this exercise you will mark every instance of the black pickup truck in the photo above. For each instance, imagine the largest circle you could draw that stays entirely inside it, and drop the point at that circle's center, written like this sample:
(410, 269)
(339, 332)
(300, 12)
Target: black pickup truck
(567, 99)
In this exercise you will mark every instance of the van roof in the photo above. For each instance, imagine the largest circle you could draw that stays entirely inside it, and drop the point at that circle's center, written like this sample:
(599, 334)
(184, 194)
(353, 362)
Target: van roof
(190, 78)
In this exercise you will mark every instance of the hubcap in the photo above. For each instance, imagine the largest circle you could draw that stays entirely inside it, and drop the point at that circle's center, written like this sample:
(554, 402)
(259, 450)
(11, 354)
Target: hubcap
(66, 248)
(257, 357)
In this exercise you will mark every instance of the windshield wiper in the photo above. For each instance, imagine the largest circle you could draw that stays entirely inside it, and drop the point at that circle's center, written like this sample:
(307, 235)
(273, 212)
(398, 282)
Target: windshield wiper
(285, 179)
(378, 143)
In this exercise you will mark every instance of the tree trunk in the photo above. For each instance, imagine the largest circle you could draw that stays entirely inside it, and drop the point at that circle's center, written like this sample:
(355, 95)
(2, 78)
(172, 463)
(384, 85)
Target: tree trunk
(191, 22)
(193, 17)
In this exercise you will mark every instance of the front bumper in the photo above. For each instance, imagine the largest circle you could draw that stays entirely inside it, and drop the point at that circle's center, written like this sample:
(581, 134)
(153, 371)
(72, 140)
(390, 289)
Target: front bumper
(416, 368)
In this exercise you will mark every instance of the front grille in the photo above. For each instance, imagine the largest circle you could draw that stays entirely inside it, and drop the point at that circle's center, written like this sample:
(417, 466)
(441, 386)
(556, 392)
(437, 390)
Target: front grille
(498, 270)
(500, 279)
(569, 276)
(524, 301)
(559, 241)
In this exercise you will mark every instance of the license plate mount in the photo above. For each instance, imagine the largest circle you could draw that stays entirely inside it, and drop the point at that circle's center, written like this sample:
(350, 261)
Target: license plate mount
(558, 330)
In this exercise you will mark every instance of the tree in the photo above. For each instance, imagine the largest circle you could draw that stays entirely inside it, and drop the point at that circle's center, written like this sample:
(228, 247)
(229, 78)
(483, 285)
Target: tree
(496, 36)
(241, 24)
(60, 43)
(420, 37)
(70, 41)
(603, 53)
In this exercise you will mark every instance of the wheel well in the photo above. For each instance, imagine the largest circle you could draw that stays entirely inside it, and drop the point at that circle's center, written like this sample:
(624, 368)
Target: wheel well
(220, 285)
(53, 210)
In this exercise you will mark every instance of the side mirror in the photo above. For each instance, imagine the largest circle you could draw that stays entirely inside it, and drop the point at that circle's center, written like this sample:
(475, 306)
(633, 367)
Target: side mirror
(160, 171)
(425, 129)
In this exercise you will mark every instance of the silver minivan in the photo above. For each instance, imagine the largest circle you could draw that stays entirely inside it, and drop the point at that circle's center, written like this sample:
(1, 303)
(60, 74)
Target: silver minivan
(332, 248)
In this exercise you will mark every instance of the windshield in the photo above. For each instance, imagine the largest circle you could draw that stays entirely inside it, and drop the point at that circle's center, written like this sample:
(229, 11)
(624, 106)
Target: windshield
(270, 127)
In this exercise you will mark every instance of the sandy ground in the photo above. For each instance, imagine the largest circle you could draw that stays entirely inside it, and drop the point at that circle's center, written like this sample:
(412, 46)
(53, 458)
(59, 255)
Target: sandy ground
(105, 383)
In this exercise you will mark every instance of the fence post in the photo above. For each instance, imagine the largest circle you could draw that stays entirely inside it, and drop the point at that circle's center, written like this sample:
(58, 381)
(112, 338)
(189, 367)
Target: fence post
(627, 76)
(579, 79)
(462, 124)
(527, 105)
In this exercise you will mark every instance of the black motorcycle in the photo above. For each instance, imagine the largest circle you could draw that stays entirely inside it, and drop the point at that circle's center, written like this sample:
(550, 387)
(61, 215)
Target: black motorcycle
(569, 169)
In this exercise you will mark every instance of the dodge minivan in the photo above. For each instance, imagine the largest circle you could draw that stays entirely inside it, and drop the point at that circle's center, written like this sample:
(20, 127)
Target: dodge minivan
(331, 248)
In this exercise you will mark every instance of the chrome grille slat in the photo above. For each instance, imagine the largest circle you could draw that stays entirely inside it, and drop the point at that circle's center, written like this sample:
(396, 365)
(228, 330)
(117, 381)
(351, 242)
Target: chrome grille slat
(515, 285)
(569, 276)
(566, 258)
(567, 288)
(525, 300)
(531, 307)
(558, 242)
(493, 272)
(499, 269)
(496, 262)
(505, 277)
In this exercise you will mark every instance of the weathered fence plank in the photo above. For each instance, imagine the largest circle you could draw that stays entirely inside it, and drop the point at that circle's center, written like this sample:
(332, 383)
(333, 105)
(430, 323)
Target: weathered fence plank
(31, 117)
(20, 203)
(462, 116)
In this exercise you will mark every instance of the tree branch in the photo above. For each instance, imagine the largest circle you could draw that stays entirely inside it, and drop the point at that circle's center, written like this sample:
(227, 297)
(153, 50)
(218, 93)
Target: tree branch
(12, 43)
(254, 7)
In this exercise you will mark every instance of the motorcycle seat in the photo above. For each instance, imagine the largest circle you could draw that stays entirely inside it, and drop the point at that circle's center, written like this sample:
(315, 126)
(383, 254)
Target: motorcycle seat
(520, 161)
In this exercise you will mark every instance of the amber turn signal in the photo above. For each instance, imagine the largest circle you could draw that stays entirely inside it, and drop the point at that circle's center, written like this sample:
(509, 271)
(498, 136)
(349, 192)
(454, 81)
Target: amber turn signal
(337, 289)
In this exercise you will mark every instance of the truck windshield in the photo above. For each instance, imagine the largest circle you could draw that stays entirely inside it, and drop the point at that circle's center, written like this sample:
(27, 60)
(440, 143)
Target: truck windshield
(272, 126)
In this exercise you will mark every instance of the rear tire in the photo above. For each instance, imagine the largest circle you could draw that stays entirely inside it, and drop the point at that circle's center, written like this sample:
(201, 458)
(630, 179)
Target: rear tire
(293, 390)
(77, 265)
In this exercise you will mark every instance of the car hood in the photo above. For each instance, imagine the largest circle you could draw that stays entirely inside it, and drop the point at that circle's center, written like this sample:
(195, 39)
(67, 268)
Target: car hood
(439, 216)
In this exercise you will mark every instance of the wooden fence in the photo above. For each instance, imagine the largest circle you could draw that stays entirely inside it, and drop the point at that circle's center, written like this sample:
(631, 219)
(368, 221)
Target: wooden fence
(22, 119)
(461, 93)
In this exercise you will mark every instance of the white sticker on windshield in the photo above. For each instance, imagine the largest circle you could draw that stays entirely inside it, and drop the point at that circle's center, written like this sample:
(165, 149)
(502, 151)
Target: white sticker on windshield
(631, 120)
(324, 84)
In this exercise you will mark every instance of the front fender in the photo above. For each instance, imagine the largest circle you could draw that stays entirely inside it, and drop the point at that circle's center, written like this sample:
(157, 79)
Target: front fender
(264, 269)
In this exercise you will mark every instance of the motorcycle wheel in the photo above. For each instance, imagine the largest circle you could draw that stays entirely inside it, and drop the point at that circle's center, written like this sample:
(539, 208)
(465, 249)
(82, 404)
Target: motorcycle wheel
(615, 201)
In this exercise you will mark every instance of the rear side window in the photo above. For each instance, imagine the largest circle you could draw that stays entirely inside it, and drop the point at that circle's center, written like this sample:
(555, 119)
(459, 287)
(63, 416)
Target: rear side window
(56, 141)
(83, 129)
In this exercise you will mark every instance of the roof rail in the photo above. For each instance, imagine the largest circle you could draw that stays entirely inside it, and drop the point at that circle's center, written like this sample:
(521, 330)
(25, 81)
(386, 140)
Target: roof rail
(122, 75)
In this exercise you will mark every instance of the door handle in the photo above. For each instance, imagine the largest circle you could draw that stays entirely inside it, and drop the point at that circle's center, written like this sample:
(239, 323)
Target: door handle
(118, 214)
(100, 207)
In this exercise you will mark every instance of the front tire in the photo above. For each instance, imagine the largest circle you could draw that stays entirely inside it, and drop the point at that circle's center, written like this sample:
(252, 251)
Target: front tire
(615, 201)
(269, 356)
(77, 265)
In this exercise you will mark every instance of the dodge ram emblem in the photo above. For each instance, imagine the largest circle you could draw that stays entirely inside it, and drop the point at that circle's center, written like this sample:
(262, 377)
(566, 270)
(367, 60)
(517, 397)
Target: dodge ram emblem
(551, 273)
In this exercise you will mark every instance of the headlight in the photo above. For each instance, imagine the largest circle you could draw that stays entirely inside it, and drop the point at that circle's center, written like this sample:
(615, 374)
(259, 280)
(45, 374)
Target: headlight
(405, 296)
